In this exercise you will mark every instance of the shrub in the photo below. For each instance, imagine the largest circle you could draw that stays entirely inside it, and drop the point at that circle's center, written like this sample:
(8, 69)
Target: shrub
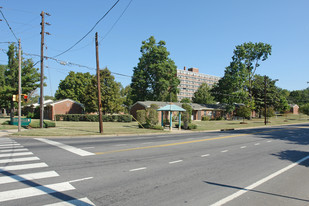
(141, 116)
(157, 127)
(93, 118)
(46, 124)
(6, 122)
(205, 118)
(189, 127)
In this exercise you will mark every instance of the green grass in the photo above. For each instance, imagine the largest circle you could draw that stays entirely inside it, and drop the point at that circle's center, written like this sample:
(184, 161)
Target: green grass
(234, 124)
(66, 128)
(3, 119)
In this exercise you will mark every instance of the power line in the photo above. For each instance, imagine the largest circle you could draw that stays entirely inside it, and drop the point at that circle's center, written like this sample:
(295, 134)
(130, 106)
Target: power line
(116, 21)
(89, 30)
(8, 25)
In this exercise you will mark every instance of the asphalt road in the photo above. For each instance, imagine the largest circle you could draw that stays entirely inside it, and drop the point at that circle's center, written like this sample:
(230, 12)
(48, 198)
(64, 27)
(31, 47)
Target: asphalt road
(266, 166)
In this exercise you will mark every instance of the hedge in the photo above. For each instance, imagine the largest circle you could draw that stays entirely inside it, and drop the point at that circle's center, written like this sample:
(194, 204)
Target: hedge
(93, 118)
(46, 124)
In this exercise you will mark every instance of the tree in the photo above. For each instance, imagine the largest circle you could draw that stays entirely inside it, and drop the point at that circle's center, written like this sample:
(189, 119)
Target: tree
(203, 95)
(110, 94)
(299, 97)
(305, 109)
(154, 78)
(275, 96)
(125, 94)
(74, 86)
(186, 118)
(30, 78)
(244, 112)
(185, 100)
(236, 85)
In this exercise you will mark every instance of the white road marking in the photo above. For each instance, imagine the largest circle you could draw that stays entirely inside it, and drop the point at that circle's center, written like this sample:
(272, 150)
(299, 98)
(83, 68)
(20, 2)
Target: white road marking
(35, 191)
(269, 141)
(205, 155)
(9, 144)
(243, 147)
(82, 201)
(254, 185)
(147, 143)
(23, 167)
(10, 147)
(14, 150)
(137, 169)
(30, 176)
(119, 145)
(16, 154)
(257, 144)
(87, 147)
(69, 148)
(19, 159)
(177, 161)
(224, 151)
(82, 179)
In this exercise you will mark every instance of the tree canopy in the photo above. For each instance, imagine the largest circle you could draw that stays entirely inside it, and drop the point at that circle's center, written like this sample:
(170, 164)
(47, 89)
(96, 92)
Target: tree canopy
(154, 77)
(30, 78)
(74, 86)
(203, 95)
(110, 94)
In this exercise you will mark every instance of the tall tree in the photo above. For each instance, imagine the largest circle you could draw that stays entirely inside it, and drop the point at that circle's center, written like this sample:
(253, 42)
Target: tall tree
(125, 94)
(299, 97)
(154, 78)
(29, 82)
(74, 86)
(110, 94)
(203, 95)
(236, 85)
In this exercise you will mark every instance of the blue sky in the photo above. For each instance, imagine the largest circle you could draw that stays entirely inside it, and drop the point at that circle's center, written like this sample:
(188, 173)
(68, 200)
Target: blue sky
(198, 33)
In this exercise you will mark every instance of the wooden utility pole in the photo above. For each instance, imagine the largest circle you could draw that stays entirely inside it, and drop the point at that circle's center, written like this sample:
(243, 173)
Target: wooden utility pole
(19, 86)
(98, 80)
(265, 108)
(42, 72)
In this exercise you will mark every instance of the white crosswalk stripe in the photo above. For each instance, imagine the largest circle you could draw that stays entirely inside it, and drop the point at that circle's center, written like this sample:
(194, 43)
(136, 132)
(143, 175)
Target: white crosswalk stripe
(13, 164)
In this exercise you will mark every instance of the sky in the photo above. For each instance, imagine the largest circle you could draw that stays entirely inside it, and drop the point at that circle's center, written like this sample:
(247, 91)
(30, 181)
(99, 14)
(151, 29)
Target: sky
(198, 33)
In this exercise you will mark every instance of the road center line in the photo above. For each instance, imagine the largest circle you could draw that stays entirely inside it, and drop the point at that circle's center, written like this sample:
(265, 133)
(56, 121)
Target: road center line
(243, 147)
(257, 144)
(69, 148)
(224, 151)
(177, 161)
(254, 185)
(186, 142)
(205, 155)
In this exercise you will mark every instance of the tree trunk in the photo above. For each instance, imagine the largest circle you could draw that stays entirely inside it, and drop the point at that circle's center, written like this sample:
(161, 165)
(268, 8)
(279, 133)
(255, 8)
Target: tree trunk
(12, 111)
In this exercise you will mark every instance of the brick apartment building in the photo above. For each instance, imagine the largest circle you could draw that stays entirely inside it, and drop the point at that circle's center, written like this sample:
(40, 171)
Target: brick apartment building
(190, 80)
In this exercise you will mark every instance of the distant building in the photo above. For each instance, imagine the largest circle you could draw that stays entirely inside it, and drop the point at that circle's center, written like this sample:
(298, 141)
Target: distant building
(190, 80)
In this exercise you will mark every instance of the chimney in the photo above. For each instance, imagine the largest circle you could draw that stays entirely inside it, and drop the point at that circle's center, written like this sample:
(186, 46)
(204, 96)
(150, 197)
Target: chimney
(184, 68)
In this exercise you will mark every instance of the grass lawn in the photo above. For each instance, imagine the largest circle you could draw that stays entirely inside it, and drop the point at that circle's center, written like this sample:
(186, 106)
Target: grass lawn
(230, 124)
(66, 128)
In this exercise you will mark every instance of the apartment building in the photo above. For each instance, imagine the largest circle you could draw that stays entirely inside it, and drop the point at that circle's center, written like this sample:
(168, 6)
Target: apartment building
(190, 80)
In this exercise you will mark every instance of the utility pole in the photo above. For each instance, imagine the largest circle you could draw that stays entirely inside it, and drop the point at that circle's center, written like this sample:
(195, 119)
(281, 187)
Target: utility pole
(19, 86)
(265, 88)
(42, 69)
(98, 80)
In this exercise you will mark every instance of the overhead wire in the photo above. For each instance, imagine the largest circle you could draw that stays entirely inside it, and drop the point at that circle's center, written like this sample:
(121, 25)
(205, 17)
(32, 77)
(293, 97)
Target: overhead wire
(8, 25)
(89, 30)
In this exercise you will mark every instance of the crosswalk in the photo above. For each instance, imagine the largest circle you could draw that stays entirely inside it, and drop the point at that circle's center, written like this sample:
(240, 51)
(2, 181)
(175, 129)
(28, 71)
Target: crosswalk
(20, 175)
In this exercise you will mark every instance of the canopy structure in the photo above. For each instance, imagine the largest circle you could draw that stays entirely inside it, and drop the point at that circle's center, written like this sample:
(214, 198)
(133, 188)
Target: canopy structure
(171, 108)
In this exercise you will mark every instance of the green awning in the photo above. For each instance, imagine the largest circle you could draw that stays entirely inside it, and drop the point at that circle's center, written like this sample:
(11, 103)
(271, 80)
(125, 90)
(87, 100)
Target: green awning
(171, 107)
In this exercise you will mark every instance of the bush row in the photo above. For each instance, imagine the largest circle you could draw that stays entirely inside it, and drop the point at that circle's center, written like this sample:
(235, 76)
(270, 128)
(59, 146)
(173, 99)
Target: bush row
(190, 126)
(93, 118)
(206, 118)
(46, 124)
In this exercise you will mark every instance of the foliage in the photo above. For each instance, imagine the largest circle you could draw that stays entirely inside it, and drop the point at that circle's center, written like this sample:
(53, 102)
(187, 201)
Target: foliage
(189, 127)
(244, 112)
(93, 118)
(74, 86)
(186, 117)
(205, 118)
(125, 94)
(141, 116)
(9, 81)
(185, 100)
(110, 94)
(46, 124)
(154, 77)
(203, 95)
(270, 112)
(275, 96)
(299, 97)
(236, 85)
(152, 117)
(305, 109)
